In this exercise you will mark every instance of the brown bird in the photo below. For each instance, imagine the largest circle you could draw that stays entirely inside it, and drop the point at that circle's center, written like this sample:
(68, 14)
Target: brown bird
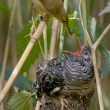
(52, 8)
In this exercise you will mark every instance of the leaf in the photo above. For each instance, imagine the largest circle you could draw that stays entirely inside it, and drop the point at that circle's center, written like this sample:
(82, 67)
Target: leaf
(106, 9)
(105, 53)
(22, 42)
(102, 49)
(21, 82)
(4, 8)
(93, 27)
(70, 43)
(19, 101)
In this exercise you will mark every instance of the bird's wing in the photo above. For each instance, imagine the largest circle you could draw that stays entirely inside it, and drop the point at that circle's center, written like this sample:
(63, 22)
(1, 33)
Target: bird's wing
(52, 6)
(50, 79)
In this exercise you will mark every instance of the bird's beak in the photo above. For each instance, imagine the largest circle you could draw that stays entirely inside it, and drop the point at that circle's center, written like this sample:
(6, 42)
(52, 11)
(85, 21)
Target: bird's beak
(70, 30)
(78, 52)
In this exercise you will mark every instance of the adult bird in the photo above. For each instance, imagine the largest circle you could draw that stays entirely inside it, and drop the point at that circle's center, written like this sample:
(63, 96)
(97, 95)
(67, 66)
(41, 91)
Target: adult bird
(69, 77)
(53, 8)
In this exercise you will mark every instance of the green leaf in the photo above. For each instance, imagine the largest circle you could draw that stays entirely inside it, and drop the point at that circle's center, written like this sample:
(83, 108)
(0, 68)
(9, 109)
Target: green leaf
(22, 42)
(93, 27)
(21, 82)
(102, 49)
(106, 9)
(105, 53)
(4, 8)
(19, 101)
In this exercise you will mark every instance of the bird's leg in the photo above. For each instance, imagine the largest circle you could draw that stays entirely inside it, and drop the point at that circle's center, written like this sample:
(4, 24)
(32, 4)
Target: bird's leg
(44, 18)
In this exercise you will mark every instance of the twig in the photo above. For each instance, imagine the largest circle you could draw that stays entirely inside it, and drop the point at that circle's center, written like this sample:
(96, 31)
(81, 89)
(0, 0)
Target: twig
(94, 47)
(53, 38)
(86, 34)
(7, 44)
(13, 47)
(7, 48)
(61, 40)
(101, 37)
(97, 80)
(33, 28)
(66, 4)
(23, 58)
(45, 43)
(61, 32)
(19, 16)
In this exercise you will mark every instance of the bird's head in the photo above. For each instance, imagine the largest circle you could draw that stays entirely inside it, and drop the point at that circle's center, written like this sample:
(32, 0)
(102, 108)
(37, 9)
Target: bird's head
(84, 52)
(63, 18)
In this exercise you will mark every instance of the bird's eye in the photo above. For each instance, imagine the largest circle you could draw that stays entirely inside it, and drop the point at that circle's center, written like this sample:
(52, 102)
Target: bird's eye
(85, 52)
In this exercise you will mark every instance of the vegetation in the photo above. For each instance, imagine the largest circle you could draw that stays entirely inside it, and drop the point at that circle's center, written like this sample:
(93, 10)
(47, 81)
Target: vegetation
(21, 33)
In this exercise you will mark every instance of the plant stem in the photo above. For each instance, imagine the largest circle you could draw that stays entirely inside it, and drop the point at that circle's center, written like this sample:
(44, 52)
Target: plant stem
(84, 21)
(2, 78)
(101, 37)
(7, 44)
(53, 38)
(101, 104)
(23, 58)
(61, 32)
(45, 43)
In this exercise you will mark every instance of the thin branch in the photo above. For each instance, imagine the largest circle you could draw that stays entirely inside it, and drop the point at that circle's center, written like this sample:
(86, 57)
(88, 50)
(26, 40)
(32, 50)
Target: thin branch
(66, 4)
(94, 60)
(94, 47)
(53, 39)
(101, 37)
(33, 28)
(101, 104)
(61, 32)
(61, 40)
(19, 15)
(45, 43)
(86, 34)
(23, 58)
(7, 44)
(13, 47)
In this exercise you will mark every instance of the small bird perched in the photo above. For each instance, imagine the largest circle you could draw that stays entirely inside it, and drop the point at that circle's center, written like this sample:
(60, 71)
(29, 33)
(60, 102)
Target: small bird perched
(70, 76)
(52, 8)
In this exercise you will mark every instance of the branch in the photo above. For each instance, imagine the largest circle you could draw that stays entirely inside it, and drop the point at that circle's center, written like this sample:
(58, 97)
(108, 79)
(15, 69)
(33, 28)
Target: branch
(95, 45)
(7, 44)
(101, 104)
(83, 21)
(45, 43)
(23, 58)
(53, 38)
